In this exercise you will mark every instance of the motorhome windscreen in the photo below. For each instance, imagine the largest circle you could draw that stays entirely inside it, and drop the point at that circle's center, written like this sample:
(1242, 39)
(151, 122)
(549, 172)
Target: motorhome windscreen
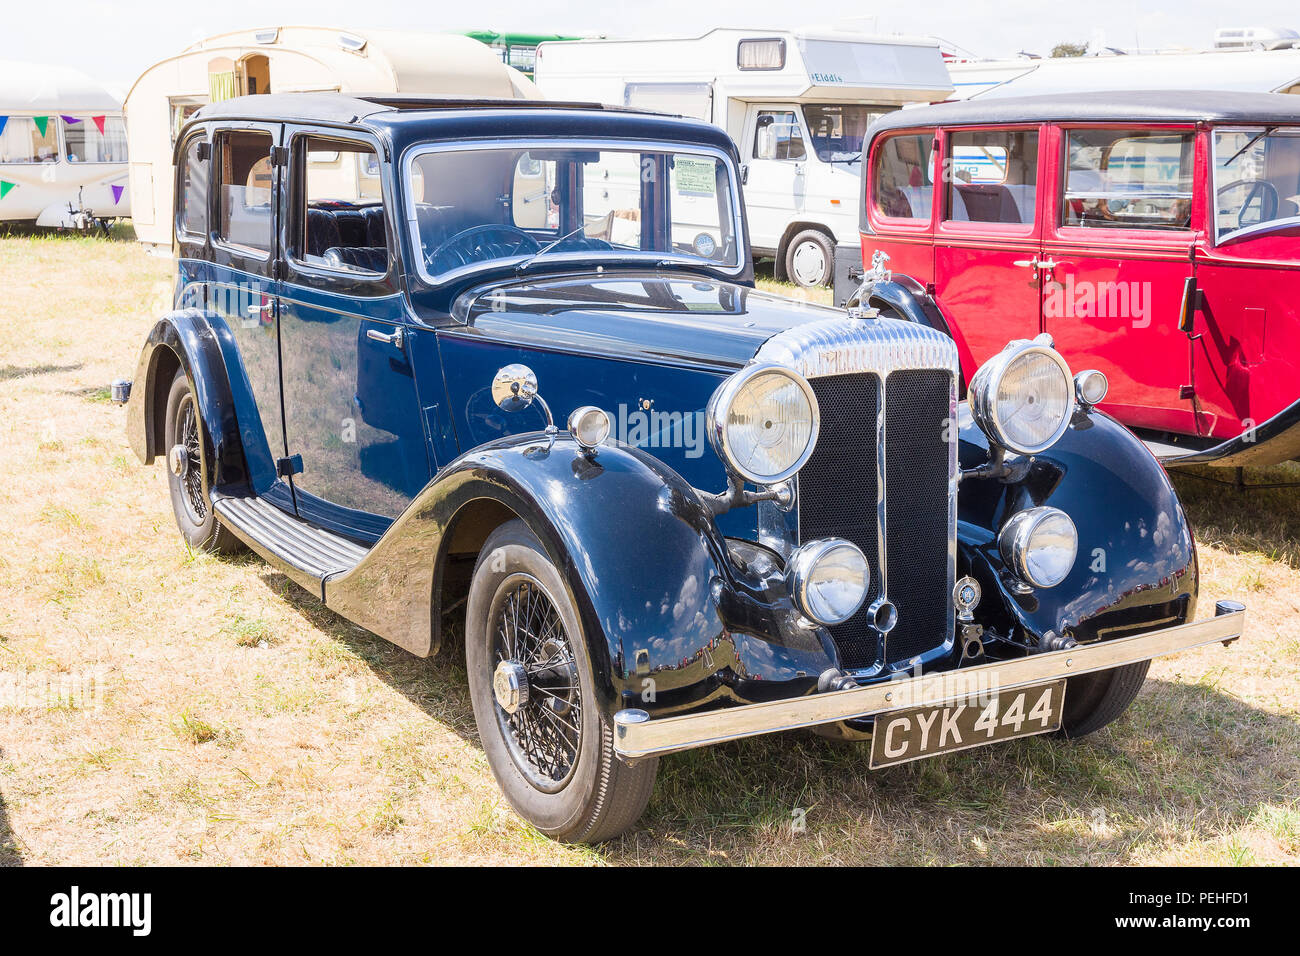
(1256, 180)
(471, 207)
(837, 129)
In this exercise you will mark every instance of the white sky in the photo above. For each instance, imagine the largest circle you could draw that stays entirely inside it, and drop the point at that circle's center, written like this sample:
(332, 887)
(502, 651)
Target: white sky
(114, 42)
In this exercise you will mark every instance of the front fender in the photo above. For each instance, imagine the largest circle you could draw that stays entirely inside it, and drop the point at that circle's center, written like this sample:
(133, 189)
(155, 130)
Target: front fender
(1136, 566)
(645, 562)
(188, 339)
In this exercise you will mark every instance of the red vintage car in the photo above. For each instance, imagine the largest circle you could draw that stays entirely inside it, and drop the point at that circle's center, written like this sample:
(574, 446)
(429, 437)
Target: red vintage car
(1154, 235)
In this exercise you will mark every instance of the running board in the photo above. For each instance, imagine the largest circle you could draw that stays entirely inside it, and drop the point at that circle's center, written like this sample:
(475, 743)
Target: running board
(306, 553)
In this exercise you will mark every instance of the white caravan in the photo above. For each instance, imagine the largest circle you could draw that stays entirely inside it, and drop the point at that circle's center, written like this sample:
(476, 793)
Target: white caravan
(62, 148)
(796, 102)
(291, 59)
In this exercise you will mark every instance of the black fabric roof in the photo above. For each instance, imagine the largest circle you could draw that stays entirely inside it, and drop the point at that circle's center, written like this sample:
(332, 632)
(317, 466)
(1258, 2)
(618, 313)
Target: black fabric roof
(1149, 106)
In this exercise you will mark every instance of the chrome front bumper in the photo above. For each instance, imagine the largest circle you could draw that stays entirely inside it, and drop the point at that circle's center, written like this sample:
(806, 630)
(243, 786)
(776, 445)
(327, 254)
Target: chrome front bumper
(636, 734)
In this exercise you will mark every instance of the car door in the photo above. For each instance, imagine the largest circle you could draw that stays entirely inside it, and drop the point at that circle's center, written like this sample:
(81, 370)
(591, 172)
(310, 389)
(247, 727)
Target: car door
(776, 151)
(241, 286)
(353, 424)
(1118, 249)
(988, 238)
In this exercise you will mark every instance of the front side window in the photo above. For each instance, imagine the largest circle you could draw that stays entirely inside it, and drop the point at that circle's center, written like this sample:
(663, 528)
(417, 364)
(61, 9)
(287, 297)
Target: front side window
(992, 176)
(837, 129)
(94, 139)
(473, 207)
(1256, 179)
(1132, 179)
(902, 182)
(244, 190)
(339, 218)
(778, 135)
(29, 139)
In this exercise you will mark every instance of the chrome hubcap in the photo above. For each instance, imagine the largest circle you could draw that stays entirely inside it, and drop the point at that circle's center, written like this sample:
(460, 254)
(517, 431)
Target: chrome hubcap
(510, 685)
(178, 460)
(809, 264)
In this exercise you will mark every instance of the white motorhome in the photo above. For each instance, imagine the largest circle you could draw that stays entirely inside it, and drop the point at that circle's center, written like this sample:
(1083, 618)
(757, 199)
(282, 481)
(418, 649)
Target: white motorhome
(62, 148)
(796, 102)
(1247, 70)
(291, 59)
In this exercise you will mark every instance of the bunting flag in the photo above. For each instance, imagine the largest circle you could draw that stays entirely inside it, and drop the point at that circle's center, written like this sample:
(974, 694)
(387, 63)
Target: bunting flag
(5, 187)
(117, 193)
(4, 120)
(70, 120)
(41, 123)
(97, 120)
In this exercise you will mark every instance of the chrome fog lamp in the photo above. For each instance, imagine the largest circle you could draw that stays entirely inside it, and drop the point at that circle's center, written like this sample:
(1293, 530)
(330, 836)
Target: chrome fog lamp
(589, 426)
(763, 423)
(1039, 545)
(1090, 387)
(1023, 397)
(828, 580)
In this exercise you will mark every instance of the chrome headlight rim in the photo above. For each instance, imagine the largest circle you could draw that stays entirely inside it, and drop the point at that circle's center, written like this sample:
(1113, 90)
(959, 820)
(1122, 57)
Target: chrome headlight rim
(1090, 387)
(720, 405)
(799, 575)
(580, 416)
(984, 386)
(1017, 535)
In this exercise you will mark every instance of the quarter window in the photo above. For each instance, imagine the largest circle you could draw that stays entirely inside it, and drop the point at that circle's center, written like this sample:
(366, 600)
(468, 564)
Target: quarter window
(23, 141)
(902, 177)
(778, 136)
(244, 190)
(194, 189)
(992, 176)
(1128, 179)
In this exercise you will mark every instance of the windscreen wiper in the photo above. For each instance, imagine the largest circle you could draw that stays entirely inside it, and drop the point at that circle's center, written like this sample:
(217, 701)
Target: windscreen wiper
(547, 248)
(1254, 139)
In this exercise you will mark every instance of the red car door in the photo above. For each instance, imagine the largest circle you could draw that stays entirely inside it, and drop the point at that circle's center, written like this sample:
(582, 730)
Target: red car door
(988, 238)
(1117, 251)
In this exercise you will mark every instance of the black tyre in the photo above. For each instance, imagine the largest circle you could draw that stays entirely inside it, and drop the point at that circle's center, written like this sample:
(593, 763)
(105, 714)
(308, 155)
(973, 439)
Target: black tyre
(188, 475)
(1094, 700)
(550, 748)
(810, 259)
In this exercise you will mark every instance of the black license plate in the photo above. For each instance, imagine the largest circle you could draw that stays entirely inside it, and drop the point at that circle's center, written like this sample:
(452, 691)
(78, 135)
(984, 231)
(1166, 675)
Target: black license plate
(904, 735)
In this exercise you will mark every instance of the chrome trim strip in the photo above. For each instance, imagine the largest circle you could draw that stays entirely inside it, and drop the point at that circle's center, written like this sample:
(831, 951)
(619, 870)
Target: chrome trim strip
(635, 736)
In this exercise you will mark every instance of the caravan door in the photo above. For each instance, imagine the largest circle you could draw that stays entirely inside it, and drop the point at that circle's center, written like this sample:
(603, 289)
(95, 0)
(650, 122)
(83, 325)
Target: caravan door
(775, 150)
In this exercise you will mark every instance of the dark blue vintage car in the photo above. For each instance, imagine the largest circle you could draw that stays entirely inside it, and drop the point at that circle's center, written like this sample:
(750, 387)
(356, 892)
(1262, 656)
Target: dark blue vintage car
(509, 358)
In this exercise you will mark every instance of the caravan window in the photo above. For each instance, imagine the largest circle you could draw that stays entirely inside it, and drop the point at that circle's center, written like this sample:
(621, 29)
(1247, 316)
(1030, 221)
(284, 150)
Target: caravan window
(23, 140)
(902, 176)
(992, 176)
(778, 135)
(84, 143)
(244, 190)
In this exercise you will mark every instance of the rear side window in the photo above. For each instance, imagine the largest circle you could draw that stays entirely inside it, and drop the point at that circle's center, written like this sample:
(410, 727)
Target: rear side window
(992, 176)
(244, 193)
(902, 176)
(1130, 179)
(194, 188)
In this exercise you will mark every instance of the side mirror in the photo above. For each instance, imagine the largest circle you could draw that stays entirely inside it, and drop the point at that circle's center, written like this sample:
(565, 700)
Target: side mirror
(514, 388)
(1190, 305)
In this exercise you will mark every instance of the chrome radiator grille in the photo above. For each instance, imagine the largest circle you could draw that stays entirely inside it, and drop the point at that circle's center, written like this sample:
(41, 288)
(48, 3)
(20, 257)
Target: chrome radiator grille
(883, 473)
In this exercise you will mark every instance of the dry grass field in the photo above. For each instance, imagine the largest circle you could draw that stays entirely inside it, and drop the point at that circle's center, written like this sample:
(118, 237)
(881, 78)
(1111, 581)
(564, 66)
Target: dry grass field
(208, 711)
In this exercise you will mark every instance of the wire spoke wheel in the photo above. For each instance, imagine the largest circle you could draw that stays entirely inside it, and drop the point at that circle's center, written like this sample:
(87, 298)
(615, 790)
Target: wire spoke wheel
(187, 437)
(538, 700)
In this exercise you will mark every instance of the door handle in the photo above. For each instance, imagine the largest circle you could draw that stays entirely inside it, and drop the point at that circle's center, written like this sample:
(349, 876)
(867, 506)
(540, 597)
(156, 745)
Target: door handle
(259, 309)
(397, 338)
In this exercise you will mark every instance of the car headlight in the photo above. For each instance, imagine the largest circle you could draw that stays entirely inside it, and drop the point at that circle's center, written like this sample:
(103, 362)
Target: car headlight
(1023, 397)
(828, 579)
(1039, 544)
(763, 423)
